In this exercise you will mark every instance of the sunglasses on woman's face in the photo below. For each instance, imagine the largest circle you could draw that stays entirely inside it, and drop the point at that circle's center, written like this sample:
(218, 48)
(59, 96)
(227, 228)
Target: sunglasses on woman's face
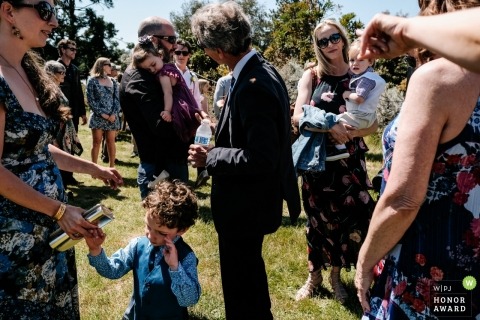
(334, 39)
(44, 9)
(62, 73)
(183, 53)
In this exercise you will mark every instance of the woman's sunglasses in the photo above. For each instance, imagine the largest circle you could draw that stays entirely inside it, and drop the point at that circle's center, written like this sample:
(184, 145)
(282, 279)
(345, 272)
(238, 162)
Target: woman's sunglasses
(44, 9)
(334, 39)
(183, 53)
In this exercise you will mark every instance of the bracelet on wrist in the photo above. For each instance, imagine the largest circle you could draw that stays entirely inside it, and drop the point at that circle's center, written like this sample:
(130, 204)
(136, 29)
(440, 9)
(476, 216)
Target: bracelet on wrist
(60, 212)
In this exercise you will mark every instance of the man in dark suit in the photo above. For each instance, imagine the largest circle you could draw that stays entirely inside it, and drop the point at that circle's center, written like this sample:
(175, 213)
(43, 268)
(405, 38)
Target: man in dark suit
(141, 99)
(251, 162)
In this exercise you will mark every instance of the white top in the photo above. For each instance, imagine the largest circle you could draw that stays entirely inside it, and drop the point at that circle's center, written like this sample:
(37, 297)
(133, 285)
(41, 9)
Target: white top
(191, 79)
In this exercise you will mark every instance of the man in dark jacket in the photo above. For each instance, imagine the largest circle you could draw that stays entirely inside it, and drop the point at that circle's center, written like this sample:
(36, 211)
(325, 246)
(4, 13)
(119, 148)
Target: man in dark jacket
(141, 99)
(251, 163)
(72, 89)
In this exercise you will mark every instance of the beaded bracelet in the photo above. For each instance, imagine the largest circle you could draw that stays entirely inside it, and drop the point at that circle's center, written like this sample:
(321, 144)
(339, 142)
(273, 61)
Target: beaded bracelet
(60, 212)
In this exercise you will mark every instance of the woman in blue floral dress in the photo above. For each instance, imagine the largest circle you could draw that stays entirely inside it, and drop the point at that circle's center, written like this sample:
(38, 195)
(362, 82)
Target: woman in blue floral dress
(36, 282)
(103, 99)
(426, 223)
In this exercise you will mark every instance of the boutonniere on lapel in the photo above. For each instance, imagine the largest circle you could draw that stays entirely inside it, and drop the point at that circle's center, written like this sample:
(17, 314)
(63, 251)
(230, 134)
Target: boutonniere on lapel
(253, 80)
(193, 77)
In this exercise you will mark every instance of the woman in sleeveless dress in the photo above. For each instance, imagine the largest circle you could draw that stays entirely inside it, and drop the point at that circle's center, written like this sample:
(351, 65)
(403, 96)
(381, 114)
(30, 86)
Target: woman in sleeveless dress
(36, 282)
(336, 200)
(426, 223)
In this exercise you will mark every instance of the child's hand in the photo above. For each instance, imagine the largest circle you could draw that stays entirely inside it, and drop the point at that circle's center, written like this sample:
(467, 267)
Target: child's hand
(95, 243)
(346, 94)
(166, 116)
(170, 254)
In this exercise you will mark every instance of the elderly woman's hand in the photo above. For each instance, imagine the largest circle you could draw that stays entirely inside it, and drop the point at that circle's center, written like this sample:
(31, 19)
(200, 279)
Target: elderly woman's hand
(363, 280)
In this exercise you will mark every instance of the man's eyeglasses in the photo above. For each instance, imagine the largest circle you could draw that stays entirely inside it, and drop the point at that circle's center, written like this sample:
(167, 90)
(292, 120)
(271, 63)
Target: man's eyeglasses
(183, 53)
(72, 49)
(44, 9)
(334, 39)
(169, 39)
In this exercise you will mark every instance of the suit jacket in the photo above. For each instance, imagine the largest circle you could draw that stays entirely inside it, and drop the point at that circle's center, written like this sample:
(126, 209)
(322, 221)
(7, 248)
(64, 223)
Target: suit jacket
(251, 165)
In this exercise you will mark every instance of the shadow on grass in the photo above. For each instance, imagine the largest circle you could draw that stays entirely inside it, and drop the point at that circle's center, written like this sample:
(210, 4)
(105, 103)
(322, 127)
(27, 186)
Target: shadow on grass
(205, 214)
(374, 157)
(124, 136)
(351, 303)
(301, 221)
(128, 164)
(88, 196)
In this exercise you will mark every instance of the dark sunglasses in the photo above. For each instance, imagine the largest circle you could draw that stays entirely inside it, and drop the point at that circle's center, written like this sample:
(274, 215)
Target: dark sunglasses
(107, 64)
(169, 39)
(334, 39)
(44, 9)
(60, 72)
(72, 49)
(183, 53)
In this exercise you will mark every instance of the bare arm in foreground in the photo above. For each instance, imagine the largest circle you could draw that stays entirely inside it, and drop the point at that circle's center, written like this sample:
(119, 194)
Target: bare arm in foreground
(453, 35)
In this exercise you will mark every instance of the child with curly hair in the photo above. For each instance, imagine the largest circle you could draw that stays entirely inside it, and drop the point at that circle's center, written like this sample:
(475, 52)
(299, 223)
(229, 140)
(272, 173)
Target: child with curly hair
(164, 266)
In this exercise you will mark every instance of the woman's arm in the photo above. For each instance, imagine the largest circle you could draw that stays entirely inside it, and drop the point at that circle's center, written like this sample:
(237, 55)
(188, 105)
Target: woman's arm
(24, 195)
(303, 96)
(68, 162)
(354, 132)
(460, 39)
(440, 99)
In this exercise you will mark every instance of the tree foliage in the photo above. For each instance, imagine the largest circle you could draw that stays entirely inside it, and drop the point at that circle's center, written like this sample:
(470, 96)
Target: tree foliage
(94, 36)
(293, 24)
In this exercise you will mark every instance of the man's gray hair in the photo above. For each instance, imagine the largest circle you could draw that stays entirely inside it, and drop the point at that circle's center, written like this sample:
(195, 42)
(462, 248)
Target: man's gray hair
(52, 67)
(224, 26)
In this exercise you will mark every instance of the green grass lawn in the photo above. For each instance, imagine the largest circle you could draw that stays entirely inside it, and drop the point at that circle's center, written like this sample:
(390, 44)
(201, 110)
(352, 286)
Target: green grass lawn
(284, 251)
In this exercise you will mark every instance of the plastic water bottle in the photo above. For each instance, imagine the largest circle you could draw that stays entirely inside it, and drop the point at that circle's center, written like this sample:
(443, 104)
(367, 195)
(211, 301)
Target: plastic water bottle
(204, 133)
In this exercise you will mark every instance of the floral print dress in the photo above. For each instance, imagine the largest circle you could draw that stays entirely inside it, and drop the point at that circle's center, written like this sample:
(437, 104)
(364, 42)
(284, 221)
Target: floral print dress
(442, 246)
(36, 282)
(336, 201)
(103, 99)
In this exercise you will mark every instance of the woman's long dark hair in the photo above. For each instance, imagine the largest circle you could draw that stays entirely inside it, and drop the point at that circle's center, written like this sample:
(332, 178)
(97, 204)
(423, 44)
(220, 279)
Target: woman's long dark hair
(49, 94)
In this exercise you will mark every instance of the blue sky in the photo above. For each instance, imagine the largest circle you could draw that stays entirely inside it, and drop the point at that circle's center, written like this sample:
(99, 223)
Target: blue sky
(127, 14)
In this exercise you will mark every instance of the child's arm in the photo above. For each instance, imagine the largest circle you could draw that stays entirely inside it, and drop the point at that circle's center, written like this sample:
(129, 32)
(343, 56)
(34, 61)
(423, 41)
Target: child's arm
(353, 97)
(95, 243)
(363, 89)
(167, 85)
(185, 285)
(119, 264)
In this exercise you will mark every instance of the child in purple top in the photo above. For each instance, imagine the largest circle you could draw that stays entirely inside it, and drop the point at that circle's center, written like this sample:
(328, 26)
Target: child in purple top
(180, 105)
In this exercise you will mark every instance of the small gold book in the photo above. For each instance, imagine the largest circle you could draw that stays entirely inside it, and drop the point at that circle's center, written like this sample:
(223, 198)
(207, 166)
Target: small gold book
(98, 214)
